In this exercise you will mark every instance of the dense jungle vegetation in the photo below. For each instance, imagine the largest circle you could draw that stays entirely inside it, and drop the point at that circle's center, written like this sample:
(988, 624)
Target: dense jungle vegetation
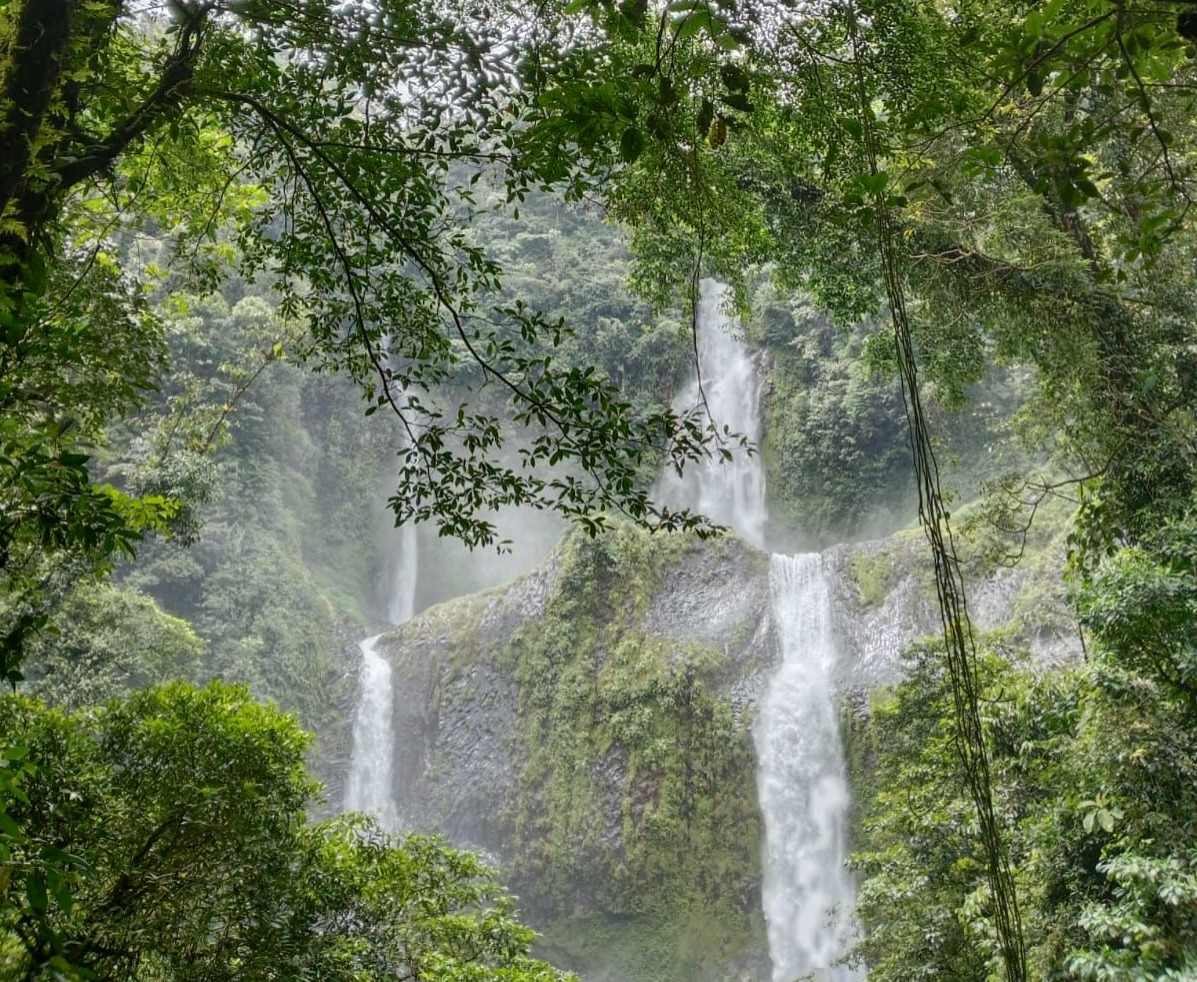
(278, 274)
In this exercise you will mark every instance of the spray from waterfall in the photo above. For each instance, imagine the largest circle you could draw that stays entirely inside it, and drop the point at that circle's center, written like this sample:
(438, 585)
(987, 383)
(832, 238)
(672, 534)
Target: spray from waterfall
(807, 891)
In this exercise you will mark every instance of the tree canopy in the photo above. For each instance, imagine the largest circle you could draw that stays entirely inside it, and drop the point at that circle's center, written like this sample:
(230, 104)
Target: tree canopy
(166, 837)
(330, 150)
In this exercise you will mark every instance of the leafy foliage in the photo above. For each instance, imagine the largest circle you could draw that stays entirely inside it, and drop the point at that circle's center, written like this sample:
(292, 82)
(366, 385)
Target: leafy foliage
(103, 641)
(167, 837)
(1093, 774)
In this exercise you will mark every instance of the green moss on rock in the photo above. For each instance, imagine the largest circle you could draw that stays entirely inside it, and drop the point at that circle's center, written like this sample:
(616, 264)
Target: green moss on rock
(873, 576)
(610, 713)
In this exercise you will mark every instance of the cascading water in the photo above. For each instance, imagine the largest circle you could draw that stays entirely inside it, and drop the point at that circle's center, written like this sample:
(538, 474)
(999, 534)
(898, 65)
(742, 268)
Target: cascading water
(731, 493)
(802, 782)
(371, 767)
(807, 892)
(369, 786)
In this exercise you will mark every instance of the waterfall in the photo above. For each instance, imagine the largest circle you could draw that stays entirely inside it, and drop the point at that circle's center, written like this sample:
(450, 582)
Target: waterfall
(808, 893)
(402, 605)
(731, 493)
(369, 786)
(371, 766)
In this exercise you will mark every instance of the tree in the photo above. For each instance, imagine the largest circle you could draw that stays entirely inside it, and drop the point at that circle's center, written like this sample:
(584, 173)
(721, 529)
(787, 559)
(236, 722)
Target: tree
(860, 146)
(321, 148)
(166, 837)
(105, 641)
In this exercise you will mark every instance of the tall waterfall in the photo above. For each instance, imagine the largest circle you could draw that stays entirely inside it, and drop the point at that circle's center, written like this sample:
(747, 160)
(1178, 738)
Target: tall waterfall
(807, 893)
(802, 782)
(371, 767)
(732, 493)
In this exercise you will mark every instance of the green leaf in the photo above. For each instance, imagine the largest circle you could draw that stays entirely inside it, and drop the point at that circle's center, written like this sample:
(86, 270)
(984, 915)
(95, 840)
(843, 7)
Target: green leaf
(874, 183)
(35, 891)
(631, 144)
(738, 100)
(690, 24)
(734, 77)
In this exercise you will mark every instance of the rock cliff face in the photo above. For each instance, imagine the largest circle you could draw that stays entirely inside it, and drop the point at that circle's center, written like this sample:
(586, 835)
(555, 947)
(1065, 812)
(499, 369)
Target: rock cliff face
(884, 598)
(589, 726)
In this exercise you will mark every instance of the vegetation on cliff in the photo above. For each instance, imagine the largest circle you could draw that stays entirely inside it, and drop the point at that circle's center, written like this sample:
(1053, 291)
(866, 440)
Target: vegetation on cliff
(602, 700)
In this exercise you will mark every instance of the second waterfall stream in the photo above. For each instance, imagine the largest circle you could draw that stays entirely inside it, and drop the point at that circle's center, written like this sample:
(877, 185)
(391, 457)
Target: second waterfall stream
(370, 787)
(807, 891)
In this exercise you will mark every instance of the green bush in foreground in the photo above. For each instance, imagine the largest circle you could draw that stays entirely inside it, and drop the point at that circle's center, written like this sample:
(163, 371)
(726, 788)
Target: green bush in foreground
(164, 836)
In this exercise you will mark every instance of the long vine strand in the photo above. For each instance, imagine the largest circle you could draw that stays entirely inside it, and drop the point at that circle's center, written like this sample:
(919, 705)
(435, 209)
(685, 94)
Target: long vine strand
(957, 627)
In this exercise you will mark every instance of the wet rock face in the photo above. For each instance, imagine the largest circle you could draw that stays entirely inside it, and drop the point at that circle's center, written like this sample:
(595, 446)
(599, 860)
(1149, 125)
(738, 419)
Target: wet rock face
(455, 711)
(721, 601)
(457, 748)
(458, 755)
(709, 599)
(884, 597)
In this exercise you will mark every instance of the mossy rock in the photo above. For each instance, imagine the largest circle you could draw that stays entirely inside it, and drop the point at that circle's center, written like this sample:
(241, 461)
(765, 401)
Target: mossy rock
(873, 576)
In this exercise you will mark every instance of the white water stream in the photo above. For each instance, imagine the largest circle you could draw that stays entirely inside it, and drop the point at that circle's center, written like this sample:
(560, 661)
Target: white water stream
(370, 770)
(370, 787)
(807, 891)
(731, 493)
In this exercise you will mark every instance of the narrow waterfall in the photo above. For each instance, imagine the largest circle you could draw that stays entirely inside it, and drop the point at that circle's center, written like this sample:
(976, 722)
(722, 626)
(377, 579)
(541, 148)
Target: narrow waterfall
(402, 604)
(731, 493)
(369, 786)
(371, 768)
(808, 893)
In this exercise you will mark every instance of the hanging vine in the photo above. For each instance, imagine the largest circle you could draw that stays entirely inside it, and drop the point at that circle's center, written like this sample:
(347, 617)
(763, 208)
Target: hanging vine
(959, 642)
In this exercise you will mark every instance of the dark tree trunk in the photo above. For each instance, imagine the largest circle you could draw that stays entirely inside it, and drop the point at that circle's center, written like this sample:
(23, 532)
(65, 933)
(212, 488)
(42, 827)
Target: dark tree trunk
(35, 64)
